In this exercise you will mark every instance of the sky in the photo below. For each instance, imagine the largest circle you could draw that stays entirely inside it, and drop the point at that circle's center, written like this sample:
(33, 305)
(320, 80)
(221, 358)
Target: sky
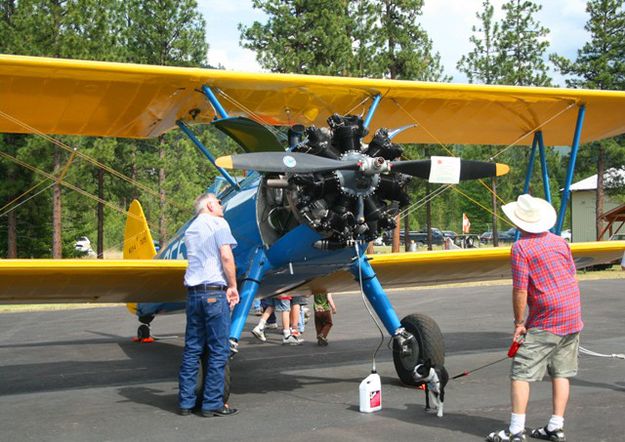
(448, 23)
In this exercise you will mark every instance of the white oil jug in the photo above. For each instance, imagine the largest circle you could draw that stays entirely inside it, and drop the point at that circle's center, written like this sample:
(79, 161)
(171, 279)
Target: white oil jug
(370, 393)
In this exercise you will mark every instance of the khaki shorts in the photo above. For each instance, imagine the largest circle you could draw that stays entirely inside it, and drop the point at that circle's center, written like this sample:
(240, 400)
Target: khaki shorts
(544, 351)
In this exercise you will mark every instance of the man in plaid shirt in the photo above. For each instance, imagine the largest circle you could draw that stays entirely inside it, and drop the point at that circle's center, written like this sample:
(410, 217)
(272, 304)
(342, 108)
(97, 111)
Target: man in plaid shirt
(543, 275)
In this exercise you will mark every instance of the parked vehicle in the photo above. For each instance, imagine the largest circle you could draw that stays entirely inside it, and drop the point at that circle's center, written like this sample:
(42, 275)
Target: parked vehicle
(450, 234)
(566, 234)
(486, 237)
(421, 237)
(83, 246)
(507, 236)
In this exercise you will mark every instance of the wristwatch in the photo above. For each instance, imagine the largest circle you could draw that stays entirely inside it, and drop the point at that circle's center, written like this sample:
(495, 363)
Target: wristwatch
(521, 322)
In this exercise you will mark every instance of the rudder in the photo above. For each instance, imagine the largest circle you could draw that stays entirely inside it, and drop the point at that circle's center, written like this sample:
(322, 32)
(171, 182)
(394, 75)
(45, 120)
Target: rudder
(138, 242)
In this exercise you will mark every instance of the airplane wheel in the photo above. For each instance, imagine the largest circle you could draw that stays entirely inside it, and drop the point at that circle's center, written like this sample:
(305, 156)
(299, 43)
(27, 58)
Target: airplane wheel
(428, 344)
(143, 332)
(199, 391)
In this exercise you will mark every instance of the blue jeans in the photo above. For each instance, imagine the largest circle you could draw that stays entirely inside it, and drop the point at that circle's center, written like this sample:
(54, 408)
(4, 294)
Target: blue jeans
(208, 326)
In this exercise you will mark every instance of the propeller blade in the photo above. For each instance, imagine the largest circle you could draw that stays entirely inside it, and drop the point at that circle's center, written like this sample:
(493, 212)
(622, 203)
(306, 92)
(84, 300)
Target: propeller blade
(282, 162)
(469, 169)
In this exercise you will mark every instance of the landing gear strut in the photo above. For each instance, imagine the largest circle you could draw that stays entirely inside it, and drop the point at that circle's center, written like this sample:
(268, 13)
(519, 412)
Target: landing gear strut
(421, 340)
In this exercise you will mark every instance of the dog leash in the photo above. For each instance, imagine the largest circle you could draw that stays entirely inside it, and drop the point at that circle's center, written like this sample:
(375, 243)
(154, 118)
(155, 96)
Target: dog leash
(514, 347)
(468, 372)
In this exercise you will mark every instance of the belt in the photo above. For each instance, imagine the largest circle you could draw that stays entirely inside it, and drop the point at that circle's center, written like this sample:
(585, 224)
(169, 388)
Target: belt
(204, 287)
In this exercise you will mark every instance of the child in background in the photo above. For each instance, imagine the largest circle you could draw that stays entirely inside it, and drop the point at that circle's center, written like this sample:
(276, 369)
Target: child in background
(324, 309)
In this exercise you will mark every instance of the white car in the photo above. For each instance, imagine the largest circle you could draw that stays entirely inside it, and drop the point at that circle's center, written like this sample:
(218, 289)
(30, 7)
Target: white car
(566, 234)
(83, 245)
(379, 241)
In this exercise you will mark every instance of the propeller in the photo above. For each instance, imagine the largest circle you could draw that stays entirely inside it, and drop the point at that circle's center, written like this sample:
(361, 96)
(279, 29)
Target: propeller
(281, 162)
(294, 162)
(469, 169)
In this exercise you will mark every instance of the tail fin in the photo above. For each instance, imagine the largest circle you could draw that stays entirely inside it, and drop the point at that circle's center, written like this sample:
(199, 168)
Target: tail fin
(137, 237)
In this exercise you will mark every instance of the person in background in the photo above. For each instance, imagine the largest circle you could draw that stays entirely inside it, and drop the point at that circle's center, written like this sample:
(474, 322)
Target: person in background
(623, 262)
(544, 281)
(297, 316)
(211, 285)
(324, 309)
(282, 305)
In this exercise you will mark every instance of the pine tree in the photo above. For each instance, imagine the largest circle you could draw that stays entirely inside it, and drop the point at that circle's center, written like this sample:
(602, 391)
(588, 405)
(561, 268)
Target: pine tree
(511, 51)
(522, 46)
(480, 65)
(311, 37)
(403, 50)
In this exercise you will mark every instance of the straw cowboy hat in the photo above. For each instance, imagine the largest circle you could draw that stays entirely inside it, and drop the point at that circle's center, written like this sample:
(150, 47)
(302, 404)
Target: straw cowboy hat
(533, 215)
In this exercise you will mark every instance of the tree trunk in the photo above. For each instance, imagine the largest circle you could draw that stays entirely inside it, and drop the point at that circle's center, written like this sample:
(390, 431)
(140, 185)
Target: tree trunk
(395, 246)
(12, 222)
(133, 173)
(407, 232)
(57, 237)
(494, 200)
(428, 213)
(162, 227)
(12, 235)
(599, 191)
(100, 214)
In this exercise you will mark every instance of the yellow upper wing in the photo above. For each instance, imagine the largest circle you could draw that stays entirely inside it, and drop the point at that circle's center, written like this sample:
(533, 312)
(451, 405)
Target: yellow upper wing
(161, 280)
(56, 96)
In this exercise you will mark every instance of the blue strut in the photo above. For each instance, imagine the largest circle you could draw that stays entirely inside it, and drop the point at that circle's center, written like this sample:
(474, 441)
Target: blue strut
(543, 166)
(528, 174)
(189, 133)
(569, 172)
(375, 294)
(371, 112)
(251, 282)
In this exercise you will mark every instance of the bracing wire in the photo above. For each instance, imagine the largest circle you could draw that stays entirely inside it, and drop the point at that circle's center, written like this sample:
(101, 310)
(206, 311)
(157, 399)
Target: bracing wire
(10, 209)
(66, 184)
(87, 158)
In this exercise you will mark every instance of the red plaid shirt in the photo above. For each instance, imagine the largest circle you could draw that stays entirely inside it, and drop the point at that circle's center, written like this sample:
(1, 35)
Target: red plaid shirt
(543, 265)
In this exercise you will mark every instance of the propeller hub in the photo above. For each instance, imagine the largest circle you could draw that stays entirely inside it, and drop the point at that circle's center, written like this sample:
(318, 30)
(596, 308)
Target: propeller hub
(362, 182)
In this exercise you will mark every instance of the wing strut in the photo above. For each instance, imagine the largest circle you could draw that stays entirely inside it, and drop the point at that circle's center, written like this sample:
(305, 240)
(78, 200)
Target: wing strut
(566, 193)
(189, 133)
(538, 142)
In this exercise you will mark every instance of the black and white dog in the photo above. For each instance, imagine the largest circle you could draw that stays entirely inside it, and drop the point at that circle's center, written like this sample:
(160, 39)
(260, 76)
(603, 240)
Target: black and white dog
(435, 379)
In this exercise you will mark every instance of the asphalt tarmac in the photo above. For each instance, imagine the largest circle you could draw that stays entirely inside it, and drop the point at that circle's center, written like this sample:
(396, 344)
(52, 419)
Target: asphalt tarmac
(75, 375)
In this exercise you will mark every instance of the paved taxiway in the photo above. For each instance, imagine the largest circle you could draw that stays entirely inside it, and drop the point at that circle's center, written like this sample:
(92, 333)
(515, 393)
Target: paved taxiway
(75, 376)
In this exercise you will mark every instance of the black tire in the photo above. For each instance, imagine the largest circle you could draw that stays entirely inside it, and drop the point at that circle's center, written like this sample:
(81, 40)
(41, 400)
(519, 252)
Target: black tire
(143, 332)
(200, 381)
(428, 344)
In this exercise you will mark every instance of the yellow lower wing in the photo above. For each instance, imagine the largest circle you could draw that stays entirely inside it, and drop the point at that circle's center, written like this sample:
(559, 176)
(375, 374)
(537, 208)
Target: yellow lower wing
(141, 280)
(82, 280)
(400, 270)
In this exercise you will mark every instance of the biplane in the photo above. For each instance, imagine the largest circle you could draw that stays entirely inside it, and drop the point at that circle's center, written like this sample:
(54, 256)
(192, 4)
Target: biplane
(314, 198)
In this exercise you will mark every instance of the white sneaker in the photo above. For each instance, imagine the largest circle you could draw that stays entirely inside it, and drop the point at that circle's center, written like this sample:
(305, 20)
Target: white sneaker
(259, 334)
(271, 325)
(297, 335)
(291, 340)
